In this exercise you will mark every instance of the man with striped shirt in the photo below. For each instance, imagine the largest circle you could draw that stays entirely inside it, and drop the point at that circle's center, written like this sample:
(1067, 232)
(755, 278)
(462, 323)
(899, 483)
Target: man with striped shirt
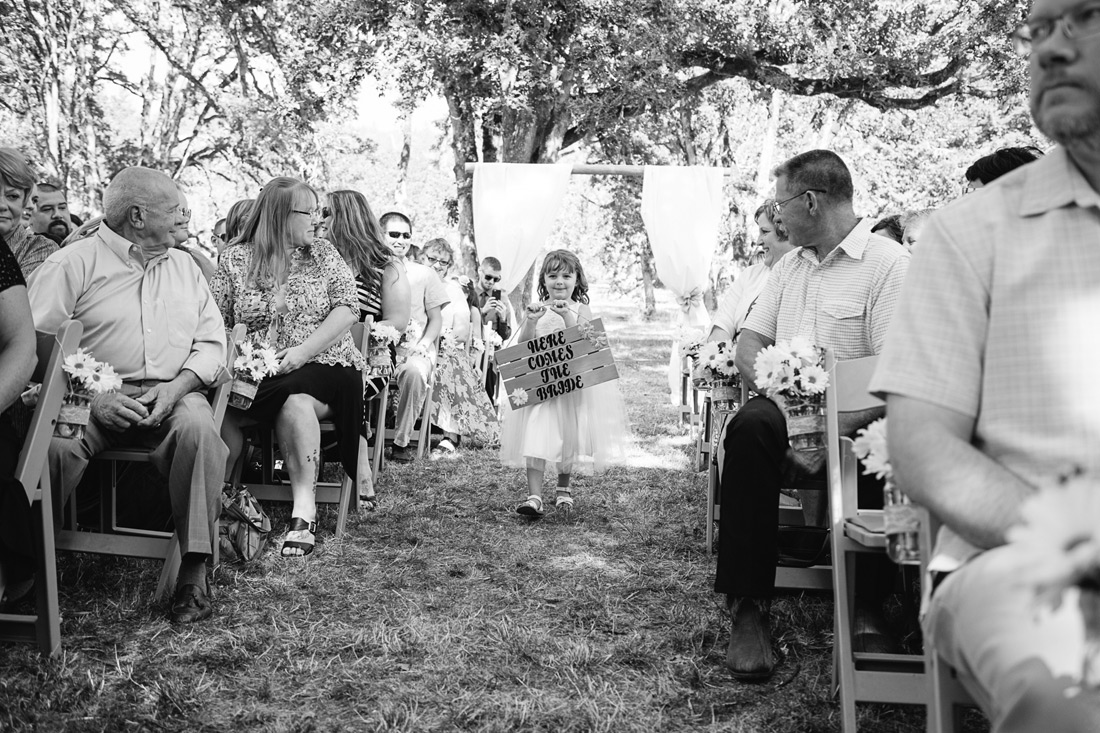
(837, 288)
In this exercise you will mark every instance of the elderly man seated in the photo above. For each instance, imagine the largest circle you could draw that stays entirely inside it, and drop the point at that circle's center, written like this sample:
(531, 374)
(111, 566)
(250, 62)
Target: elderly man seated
(838, 290)
(146, 310)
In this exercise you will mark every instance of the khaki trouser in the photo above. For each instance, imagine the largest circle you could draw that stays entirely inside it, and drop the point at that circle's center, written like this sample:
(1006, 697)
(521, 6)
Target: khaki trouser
(186, 448)
(413, 378)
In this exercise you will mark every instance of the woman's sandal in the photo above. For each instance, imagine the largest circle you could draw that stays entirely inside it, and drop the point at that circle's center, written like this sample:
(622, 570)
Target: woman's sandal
(300, 536)
(532, 507)
(563, 501)
(368, 503)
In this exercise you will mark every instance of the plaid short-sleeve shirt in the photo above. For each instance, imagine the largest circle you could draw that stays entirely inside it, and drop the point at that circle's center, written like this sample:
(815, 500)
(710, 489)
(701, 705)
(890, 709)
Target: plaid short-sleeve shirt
(844, 302)
(998, 321)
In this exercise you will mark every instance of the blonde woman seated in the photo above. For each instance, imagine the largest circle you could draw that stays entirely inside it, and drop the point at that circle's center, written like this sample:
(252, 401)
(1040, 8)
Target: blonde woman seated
(738, 300)
(296, 293)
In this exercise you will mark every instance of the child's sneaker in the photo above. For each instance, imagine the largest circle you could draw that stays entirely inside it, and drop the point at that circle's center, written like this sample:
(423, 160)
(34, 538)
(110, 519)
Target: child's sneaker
(532, 507)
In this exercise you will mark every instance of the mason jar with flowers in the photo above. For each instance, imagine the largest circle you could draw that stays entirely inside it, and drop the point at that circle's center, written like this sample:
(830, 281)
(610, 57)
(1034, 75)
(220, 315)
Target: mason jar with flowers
(793, 374)
(716, 371)
(691, 342)
(901, 518)
(86, 377)
(383, 337)
(255, 360)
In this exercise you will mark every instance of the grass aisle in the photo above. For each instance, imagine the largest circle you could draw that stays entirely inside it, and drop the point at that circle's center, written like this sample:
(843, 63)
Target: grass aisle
(445, 610)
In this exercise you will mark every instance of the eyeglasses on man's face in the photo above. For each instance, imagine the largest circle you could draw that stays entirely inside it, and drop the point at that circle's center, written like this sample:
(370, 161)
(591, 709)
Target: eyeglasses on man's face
(1079, 22)
(399, 235)
(778, 205)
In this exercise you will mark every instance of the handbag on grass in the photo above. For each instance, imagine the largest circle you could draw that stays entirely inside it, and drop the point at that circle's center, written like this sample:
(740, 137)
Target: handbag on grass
(244, 526)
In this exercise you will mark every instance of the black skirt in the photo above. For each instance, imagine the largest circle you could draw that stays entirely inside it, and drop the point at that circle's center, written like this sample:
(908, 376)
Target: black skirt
(339, 387)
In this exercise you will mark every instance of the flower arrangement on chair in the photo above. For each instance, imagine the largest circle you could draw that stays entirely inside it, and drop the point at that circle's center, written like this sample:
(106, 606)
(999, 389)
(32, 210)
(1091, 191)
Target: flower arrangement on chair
(901, 518)
(1060, 533)
(793, 374)
(382, 337)
(715, 370)
(691, 342)
(87, 377)
(255, 360)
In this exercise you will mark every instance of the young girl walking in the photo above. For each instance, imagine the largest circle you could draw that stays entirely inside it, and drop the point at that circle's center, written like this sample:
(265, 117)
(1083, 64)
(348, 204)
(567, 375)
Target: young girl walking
(585, 429)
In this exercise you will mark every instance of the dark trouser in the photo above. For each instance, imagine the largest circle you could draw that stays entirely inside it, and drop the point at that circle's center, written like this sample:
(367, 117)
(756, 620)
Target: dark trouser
(491, 378)
(756, 445)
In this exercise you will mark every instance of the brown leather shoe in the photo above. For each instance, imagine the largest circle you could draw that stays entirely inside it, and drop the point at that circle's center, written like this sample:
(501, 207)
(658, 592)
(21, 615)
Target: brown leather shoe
(750, 656)
(191, 605)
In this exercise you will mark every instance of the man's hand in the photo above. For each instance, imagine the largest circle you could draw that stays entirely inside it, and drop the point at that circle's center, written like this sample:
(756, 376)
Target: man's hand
(293, 358)
(803, 464)
(117, 412)
(493, 308)
(160, 401)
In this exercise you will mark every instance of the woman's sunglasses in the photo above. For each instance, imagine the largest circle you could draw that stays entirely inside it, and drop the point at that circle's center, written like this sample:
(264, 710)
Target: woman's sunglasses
(399, 235)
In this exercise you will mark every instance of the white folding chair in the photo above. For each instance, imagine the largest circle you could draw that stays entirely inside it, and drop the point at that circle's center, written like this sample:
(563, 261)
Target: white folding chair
(44, 626)
(864, 677)
(113, 538)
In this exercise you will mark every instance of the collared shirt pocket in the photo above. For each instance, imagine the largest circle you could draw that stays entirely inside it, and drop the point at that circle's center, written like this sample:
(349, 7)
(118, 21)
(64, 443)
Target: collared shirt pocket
(180, 320)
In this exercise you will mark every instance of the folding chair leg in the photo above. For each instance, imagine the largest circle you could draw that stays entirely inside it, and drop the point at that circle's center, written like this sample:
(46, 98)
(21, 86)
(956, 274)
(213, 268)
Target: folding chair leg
(48, 622)
(166, 585)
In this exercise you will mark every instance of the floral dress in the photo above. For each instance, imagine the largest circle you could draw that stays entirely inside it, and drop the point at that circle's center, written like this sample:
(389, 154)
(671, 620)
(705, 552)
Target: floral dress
(461, 404)
(317, 283)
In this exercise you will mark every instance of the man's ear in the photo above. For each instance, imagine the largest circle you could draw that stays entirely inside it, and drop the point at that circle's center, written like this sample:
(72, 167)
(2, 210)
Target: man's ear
(136, 217)
(814, 206)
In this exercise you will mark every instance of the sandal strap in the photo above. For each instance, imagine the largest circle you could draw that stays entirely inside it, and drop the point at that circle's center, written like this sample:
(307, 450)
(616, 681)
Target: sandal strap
(298, 524)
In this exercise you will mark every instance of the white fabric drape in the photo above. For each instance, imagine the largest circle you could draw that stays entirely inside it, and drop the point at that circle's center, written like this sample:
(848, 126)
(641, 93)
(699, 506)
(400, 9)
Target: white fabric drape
(515, 206)
(682, 208)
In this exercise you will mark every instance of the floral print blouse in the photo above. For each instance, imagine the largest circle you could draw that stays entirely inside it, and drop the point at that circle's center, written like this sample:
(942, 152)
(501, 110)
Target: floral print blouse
(318, 282)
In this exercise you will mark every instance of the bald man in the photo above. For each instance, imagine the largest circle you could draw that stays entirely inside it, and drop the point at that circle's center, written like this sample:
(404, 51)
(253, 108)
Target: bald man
(147, 311)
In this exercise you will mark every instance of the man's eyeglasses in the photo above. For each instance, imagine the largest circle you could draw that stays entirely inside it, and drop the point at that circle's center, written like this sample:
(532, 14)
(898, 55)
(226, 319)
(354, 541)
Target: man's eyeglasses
(437, 261)
(1077, 23)
(399, 235)
(491, 278)
(778, 205)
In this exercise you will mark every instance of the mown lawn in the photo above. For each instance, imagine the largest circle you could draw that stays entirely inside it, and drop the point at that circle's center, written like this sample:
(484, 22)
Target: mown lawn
(444, 610)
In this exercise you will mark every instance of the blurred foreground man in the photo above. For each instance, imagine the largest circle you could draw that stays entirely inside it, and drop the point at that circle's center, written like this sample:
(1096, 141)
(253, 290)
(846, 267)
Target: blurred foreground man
(990, 378)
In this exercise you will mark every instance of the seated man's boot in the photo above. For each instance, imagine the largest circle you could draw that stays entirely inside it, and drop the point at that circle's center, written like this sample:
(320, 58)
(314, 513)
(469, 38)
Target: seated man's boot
(750, 656)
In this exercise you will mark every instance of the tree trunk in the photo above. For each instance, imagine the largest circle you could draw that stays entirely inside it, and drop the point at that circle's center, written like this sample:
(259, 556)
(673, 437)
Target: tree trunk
(767, 151)
(400, 189)
(686, 134)
(464, 150)
(648, 291)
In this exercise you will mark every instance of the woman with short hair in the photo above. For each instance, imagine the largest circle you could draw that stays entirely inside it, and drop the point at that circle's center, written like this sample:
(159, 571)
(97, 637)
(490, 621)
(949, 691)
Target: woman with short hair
(295, 293)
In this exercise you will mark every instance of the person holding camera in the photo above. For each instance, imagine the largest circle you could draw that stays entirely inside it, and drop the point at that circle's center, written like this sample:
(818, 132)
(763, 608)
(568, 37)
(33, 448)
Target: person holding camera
(496, 312)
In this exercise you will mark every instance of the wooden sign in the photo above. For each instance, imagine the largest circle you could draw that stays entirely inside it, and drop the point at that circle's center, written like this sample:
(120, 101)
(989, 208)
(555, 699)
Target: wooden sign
(556, 364)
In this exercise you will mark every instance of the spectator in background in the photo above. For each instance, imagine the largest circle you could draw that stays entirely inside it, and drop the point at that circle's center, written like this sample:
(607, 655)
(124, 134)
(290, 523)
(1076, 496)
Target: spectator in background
(496, 313)
(382, 288)
(217, 238)
(50, 212)
(234, 220)
(889, 227)
(148, 312)
(461, 407)
(912, 225)
(739, 299)
(16, 185)
(990, 167)
(427, 299)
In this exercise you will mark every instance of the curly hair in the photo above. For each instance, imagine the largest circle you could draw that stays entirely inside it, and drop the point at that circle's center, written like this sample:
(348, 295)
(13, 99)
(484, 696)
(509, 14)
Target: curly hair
(563, 259)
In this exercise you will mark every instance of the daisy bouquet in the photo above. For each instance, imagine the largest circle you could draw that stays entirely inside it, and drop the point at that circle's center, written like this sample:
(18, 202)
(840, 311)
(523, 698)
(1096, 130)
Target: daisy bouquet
(1059, 534)
(86, 377)
(255, 361)
(793, 374)
(493, 339)
(715, 362)
(901, 517)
